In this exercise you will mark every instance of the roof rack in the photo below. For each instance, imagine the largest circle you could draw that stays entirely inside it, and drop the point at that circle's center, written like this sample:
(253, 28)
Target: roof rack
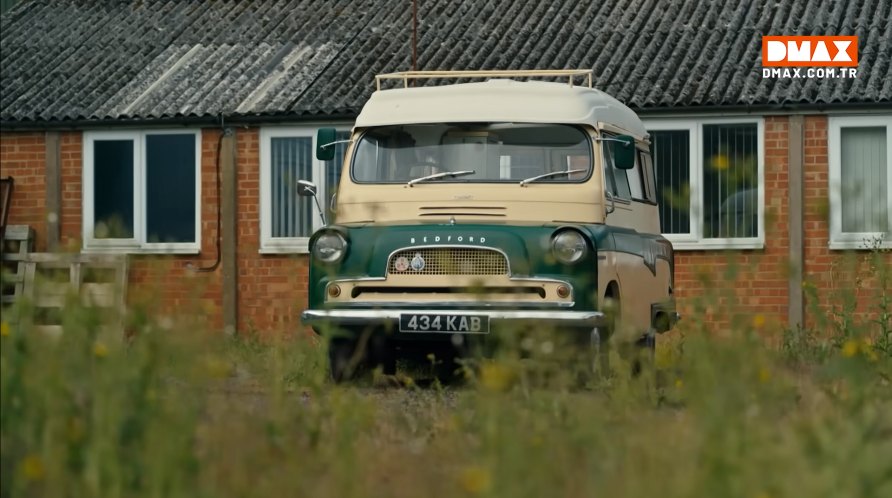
(570, 74)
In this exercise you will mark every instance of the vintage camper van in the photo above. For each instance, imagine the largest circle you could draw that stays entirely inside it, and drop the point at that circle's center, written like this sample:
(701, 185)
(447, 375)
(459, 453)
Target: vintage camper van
(469, 207)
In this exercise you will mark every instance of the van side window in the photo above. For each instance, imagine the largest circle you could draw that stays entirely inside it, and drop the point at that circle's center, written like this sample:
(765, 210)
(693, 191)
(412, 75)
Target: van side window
(636, 181)
(650, 182)
(617, 180)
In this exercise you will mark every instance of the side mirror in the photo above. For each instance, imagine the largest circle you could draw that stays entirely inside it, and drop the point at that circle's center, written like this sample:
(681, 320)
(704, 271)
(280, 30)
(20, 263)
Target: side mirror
(306, 189)
(325, 147)
(624, 152)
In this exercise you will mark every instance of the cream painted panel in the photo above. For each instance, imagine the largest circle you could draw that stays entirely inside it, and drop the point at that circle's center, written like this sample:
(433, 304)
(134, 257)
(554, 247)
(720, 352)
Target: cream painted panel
(639, 289)
(639, 216)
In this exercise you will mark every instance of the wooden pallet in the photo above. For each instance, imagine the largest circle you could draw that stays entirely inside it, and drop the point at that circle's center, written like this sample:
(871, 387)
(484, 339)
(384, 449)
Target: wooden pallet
(55, 281)
(18, 241)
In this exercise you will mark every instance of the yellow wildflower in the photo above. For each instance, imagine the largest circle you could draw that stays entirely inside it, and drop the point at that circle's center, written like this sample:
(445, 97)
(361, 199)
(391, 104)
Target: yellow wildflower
(764, 375)
(475, 480)
(496, 377)
(850, 348)
(759, 321)
(100, 350)
(4, 329)
(32, 468)
(679, 383)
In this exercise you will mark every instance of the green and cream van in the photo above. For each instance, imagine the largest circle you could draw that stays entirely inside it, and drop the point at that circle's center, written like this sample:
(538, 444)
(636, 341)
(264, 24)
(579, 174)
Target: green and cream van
(471, 207)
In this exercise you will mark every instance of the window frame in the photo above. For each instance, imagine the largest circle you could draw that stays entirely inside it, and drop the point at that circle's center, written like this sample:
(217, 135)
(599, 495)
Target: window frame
(694, 239)
(839, 240)
(137, 244)
(289, 245)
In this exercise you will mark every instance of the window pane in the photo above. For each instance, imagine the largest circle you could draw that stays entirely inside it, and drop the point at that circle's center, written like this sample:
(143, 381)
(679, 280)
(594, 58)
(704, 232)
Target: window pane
(113, 189)
(650, 181)
(730, 186)
(291, 159)
(672, 164)
(636, 185)
(863, 173)
(333, 171)
(170, 188)
(492, 152)
(616, 178)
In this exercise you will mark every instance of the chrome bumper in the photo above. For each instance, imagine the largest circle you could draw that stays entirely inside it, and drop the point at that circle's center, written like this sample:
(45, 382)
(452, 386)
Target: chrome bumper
(383, 317)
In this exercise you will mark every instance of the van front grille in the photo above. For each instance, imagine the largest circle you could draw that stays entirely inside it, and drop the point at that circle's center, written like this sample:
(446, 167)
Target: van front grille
(448, 261)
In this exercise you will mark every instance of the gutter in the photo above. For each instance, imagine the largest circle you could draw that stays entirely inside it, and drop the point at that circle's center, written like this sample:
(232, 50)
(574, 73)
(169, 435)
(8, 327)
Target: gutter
(786, 108)
(206, 120)
(261, 119)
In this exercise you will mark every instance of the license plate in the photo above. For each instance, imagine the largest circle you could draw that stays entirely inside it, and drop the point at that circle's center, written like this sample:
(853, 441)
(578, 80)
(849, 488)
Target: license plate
(445, 323)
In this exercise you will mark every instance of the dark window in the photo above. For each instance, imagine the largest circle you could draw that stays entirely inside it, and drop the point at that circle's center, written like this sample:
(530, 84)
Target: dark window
(170, 188)
(730, 187)
(113, 189)
(671, 154)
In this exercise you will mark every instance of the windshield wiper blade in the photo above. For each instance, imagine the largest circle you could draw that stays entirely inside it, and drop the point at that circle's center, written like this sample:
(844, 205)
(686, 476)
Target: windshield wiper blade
(437, 176)
(549, 175)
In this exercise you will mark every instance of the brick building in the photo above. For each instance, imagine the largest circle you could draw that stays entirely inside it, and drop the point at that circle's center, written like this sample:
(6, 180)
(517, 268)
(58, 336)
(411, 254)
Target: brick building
(212, 105)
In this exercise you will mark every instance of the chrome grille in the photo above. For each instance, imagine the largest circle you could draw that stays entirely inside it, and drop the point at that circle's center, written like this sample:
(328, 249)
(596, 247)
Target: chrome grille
(448, 261)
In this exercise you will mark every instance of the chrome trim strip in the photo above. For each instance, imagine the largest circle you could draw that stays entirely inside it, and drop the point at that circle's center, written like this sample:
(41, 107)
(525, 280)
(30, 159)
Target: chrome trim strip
(384, 316)
(352, 280)
(482, 304)
(531, 280)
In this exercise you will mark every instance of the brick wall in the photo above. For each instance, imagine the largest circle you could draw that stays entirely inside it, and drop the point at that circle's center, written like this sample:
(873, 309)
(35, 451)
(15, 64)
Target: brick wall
(831, 276)
(272, 287)
(22, 156)
(739, 284)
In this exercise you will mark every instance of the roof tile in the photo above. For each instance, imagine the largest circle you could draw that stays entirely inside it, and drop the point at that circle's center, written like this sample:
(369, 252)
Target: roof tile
(106, 60)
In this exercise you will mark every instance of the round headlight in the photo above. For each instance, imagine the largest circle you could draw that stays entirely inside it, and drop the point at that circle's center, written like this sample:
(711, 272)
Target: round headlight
(330, 247)
(568, 246)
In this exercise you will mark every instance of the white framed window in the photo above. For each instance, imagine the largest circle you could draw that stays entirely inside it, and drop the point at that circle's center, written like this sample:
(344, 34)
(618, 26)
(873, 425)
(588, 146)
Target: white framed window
(860, 155)
(710, 181)
(288, 154)
(142, 191)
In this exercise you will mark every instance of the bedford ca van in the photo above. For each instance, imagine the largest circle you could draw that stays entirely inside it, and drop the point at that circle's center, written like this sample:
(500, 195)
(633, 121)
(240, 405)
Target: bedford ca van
(465, 208)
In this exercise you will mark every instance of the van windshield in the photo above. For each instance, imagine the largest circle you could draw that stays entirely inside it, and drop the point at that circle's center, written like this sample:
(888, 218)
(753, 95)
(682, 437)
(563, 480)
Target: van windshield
(480, 152)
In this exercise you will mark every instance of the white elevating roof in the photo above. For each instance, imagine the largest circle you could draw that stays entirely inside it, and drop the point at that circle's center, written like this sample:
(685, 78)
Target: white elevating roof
(497, 100)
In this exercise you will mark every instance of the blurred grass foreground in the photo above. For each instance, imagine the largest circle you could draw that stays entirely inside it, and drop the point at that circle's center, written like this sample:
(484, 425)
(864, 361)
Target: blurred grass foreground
(177, 411)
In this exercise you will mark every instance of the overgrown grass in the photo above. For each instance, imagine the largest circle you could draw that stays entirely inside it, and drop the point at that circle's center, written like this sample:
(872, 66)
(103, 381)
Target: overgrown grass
(179, 411)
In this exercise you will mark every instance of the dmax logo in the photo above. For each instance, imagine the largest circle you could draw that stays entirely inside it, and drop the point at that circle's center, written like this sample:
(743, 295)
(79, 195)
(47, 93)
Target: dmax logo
(814, 51)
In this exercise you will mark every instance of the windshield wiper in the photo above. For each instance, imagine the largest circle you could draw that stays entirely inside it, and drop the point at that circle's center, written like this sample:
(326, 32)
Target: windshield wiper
(549, 175)
(437, 176)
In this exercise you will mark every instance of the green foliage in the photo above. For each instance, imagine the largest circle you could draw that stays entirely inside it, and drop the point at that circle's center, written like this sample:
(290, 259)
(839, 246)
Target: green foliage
(178, 411)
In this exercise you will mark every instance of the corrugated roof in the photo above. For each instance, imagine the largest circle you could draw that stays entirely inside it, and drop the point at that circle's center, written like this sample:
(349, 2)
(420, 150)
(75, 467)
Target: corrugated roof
(154, 59)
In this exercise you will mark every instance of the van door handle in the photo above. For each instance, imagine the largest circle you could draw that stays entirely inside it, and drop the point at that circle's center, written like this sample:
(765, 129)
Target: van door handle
(612, 207)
